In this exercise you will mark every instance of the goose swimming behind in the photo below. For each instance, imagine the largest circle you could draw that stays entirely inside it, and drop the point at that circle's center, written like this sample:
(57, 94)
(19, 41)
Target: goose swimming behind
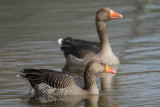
(80, 52)
(50, 82)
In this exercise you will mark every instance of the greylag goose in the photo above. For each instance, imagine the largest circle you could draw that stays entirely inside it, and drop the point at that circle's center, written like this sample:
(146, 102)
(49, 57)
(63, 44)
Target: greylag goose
(80, 52)
(50, 82)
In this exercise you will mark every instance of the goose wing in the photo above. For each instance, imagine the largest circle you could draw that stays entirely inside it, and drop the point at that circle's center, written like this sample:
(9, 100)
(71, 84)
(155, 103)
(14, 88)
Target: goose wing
(52, 78)
(78, 48)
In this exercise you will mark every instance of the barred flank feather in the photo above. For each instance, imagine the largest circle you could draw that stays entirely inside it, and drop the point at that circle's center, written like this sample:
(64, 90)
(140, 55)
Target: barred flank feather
(47, 81)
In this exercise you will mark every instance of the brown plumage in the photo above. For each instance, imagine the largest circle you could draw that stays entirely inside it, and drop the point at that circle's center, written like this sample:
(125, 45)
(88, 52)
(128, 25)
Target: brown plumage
(50, 82)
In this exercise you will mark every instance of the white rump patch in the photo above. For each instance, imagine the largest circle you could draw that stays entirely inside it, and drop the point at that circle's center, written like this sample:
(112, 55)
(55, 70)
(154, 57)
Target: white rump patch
(18, 76)
(60, 41)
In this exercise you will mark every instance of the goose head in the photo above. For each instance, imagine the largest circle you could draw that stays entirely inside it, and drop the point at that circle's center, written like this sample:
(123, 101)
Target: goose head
(106, 14)
(98, 67)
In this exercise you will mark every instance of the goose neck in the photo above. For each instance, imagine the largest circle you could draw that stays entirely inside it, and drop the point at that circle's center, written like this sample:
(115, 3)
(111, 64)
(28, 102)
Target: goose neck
(102, 33)
(89, 79)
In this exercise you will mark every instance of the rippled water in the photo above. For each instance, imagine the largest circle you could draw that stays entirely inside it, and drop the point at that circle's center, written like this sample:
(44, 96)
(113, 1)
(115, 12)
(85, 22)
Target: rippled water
(28, 39)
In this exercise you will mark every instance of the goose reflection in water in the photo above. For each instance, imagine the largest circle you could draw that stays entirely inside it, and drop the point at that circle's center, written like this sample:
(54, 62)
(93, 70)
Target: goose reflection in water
(69, 101)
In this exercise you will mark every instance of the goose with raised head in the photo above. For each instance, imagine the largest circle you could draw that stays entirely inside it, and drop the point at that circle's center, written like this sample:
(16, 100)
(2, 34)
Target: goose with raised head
(80, 52)
(50, 82)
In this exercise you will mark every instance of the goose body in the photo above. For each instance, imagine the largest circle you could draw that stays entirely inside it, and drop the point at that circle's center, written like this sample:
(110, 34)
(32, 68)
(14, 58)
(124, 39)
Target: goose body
(80, 52)
(50, 82)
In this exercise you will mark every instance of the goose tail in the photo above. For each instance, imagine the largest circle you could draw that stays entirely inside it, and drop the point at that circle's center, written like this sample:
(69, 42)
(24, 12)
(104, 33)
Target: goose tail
(60, 40)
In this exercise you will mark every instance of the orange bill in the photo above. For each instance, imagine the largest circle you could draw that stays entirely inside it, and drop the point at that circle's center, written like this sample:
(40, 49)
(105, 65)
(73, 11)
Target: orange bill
(109, 70)
(114, 15)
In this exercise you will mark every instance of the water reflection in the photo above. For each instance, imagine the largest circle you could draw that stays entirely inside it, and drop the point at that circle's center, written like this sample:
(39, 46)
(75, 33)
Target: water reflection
(70, 101)
(65, 101)
(106, 79)
(58, 101)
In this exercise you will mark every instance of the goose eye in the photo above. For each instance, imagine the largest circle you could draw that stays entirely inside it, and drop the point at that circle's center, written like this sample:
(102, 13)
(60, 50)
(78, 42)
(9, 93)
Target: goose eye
(102, 63)
(104, 10)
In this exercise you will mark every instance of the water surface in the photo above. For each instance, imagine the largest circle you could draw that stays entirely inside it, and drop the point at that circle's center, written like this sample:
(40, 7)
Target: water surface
(28, 39)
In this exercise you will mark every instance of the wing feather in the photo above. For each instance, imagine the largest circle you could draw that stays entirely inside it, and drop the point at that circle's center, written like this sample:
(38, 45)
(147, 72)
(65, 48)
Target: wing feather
(79, 48)
(52, 78)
